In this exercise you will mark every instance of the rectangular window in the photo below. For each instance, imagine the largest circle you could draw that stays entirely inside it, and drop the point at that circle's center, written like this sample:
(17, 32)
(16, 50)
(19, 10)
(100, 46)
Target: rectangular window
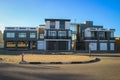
(22, 44)
(52, 33)
(62, 33)
(22, 35)
(101, 34)
(52, 24)
(92, 34)
(62, 24)
(111, 34)
(10, 44)
(10, 34)
(70, 34)
(32, 35)
(41, 36)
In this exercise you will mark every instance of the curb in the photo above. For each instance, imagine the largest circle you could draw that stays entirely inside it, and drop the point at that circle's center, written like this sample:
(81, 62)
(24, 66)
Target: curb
(79, 62)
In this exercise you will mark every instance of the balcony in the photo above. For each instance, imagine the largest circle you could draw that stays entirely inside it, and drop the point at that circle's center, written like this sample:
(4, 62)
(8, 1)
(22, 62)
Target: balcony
(90, 38)
(100, 38)
(57, 37)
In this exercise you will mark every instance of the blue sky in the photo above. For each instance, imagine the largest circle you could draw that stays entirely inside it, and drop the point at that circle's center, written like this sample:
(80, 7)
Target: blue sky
(33, 12)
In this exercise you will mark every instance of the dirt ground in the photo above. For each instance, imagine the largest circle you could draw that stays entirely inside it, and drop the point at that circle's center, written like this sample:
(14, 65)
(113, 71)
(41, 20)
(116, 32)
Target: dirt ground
(43, 58)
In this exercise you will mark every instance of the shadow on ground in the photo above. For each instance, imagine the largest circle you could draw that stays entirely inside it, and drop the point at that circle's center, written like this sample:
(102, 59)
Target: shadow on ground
(35, 72)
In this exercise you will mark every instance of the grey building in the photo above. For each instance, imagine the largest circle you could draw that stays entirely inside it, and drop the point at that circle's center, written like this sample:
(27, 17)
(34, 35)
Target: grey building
(16, 38)
(94, 37)
(57, 35)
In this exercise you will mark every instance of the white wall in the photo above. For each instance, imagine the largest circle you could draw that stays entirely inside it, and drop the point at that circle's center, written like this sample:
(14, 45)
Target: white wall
(87, 32)
(47, 25)
(67, 25)
(112, 46)
(41, 45)
(69, 46)
(103, 46)
(57, 25)
(93, 46)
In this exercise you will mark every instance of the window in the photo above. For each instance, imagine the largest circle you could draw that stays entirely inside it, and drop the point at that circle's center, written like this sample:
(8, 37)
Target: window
(52, 33)
(52, 24)
(22, 44)
(62, 24)
(70, 34)
(22, 35)
(41, 36)
(62, 33)
(92, 34)
(10, 44)
(10, 35)
(111, 34)
(32, 35)
(101, 34)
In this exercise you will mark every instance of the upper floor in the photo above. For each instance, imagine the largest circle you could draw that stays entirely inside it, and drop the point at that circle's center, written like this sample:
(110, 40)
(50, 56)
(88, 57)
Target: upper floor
(20, 33)
(62, 24)
(99, 34)
(88, 31)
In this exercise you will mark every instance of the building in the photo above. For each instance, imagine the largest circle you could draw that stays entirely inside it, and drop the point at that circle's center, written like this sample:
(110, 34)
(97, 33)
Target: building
(1, 40)
(94, 37)
(57, 35)
(16, 38)
(117, 44)
(41, 44)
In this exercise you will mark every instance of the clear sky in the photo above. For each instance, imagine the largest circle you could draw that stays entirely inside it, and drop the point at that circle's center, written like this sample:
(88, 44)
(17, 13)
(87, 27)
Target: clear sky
(33, 12)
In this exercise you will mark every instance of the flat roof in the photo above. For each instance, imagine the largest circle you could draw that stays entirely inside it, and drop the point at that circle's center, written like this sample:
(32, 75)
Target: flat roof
(57, 19)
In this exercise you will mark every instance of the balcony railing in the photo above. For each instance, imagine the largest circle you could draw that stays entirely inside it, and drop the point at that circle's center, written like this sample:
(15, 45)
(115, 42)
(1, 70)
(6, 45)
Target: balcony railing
(58, 37)
(100, 38)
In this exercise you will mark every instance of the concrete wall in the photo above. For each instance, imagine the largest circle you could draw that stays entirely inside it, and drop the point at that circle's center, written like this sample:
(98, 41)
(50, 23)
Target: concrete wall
(67, 25)
(87, 32)
(93, 46)
(47, 25)
(41, 45)
(57, 24)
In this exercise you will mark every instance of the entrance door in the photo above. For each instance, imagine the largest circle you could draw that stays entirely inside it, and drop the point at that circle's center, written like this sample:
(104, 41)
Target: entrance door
(51, 45)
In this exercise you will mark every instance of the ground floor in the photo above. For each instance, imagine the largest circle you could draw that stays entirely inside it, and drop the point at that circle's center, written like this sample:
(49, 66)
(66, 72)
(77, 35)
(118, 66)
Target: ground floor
(20, 45)
(62, 45)
(95, 45)
(54, 45)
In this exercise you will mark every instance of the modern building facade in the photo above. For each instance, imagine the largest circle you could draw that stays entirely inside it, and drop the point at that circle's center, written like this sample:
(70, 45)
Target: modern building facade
(57, 35)
(16, 38)
(117, 44)
(96, 38)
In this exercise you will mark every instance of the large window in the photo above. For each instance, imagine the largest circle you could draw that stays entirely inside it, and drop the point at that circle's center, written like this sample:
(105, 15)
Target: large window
(22, 44)
(92, 34)
(10, 34)
(111, 34)
(52, 33)
(32, 35)
(62, 24)
(62, 33)
(10, 44)
(22, 35)
(41, 36)
(101, 34)
(70, 34)
(52, 24)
